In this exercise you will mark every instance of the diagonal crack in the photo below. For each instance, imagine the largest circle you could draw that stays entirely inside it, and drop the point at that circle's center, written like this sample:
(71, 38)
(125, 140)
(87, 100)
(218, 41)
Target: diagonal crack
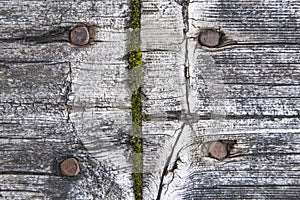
(184, 4)
(165, 170)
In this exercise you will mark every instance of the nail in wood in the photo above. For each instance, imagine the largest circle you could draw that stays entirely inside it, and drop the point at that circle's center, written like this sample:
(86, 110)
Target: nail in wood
(70, 167)
(218, 150)
(210, 38)
(80, 36)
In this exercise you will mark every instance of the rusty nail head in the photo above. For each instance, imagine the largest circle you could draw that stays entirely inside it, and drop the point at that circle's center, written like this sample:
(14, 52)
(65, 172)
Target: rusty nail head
(80, 36)
(70, 167)
(210, 38)
(218, 150)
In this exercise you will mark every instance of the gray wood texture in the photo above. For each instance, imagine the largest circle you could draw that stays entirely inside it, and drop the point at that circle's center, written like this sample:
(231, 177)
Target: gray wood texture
(58, 100)
(245, 93)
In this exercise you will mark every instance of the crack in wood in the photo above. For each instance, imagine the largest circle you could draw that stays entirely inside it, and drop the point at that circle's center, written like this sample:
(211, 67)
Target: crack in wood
(232, 44)
(26, 173)
(165, 169)
(57, 35)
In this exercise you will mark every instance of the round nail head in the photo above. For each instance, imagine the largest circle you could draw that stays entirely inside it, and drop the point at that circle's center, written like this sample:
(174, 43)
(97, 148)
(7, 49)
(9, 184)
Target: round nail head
(80, 36)
(70, 167)
(218, 150)
(209, 38)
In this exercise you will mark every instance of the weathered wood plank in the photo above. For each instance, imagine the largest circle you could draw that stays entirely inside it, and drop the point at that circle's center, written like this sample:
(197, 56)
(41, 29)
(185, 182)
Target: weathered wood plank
(265, 157)
(163, 49)
(246, 81)
(59, 100)
(244, 93)
(36, 136)
(255, 21)
(163, 46)
(166, 158)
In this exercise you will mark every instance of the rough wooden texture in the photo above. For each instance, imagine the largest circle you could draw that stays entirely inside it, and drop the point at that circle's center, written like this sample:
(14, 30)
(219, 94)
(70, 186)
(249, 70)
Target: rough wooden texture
(245, 94)
(58, 100)
(163, 49)
(163, 46)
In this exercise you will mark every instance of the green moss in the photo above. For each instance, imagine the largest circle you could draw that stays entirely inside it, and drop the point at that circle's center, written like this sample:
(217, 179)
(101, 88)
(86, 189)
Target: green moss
(136, 103)
(137, 144)
(135, 59)
(135, 63)
(138, 185)
(135, 14)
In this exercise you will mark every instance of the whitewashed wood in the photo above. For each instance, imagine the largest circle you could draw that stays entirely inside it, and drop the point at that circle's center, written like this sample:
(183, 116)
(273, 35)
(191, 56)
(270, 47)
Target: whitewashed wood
(218, 101)
(244, 93)
(255, 21)
(246, 81)
(163, 47)
(59, 100)
(263, 164)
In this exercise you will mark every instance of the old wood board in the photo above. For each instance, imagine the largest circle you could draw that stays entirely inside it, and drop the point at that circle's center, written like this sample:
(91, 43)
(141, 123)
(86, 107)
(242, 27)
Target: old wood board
(58, 100)
(244, 93)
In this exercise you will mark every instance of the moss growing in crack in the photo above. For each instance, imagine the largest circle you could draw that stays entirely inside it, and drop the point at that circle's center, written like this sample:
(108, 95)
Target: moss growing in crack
(135, 63)
(136, 139)
(135, 14)
(135, 59)
(138, 185)
(136, 103)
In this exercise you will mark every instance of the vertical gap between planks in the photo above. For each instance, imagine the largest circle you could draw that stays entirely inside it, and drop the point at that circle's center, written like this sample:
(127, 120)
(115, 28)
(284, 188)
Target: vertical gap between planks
(135, 67)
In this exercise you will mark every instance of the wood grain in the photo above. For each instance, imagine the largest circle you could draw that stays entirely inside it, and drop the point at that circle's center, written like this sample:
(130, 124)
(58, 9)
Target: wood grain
(163, 46)
(244, 93)
(58, 100)
(163, 57)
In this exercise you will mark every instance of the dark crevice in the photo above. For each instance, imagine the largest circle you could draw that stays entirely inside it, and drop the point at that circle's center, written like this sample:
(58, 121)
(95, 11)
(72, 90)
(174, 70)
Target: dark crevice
(25, 173)
(172, 170)
(271, 117)
(212, 116)
(173, 115)
(250, 186)
(230, 43)
(262, 43)
(194, 118)
(263, 154)
(165, 169)
(57, 35)
(262, 84)
(18, 137)
(151, 50)
(185, 15)
(175, 165)
(48, 62)
(18, 190)
(239, 99)
(68, 92)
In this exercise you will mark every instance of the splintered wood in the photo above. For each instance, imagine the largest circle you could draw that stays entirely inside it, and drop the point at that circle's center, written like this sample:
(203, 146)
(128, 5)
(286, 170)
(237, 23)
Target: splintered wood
(244, 94)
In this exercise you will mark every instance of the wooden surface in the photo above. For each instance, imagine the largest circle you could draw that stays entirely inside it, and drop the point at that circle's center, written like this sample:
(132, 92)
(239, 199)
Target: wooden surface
(245, 94)
(58, 100)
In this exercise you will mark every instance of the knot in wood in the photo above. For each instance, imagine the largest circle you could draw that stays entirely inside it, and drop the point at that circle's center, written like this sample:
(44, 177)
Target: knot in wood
(218, 150)
(210, 38)
(80, 36)
(70, 167)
